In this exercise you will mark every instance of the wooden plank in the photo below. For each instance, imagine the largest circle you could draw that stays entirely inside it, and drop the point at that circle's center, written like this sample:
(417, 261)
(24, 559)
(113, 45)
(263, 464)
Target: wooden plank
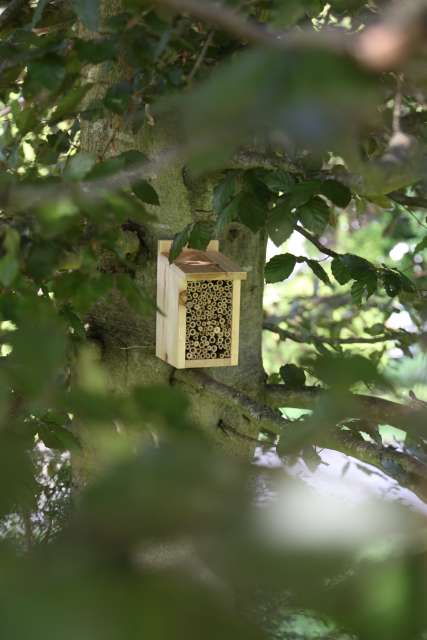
(211, 261)
(235, 323)
(181, 336)
(170, 327)
(190, 364)
(222, 275)
(226, 264)
(161, 304)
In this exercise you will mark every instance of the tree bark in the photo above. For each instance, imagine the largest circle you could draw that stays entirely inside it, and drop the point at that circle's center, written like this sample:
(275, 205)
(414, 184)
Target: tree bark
(128, 339)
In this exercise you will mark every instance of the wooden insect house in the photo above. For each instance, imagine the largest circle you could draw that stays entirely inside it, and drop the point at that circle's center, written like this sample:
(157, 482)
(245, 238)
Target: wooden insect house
(199, 299)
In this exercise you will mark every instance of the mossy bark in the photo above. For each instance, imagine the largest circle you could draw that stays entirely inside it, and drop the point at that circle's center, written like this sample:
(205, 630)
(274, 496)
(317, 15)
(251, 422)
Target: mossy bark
(128, 339)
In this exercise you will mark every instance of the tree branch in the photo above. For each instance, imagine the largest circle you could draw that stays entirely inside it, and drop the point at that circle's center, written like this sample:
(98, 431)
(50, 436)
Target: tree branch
(285, 334)
(402, 467)
(265, 417)
(406, 469)
(309, 236)
(12, 10)
(415, 202)
(379, 47)
(411, 419)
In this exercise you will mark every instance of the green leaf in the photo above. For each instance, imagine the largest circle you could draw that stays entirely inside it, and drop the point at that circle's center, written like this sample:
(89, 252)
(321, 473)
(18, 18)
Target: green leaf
(159, 401)
(200, 235)
(251, 212)
(280, 267)
(278, 181)
(9, 269)
(319, 271)
(132, 158)
(345, 369)
(12, 241)
(392, 283)
(224, 192)
(376, 329)
(229, 214)
(79, 165)
(179, 242)
(88, 11)
(146, 192)
(58, 438)
(356, 266)
(95, 51)
(280, 223)
(357, 291)
(303, 192)
(107, 168)
(314, 215)
(421, 246)
(134, 294)
(337, 193)
(255, 187)
(47, 73)
(407, 284)
(293, 376)
(340, 271)
(69, 103)
(365, 285)
(117, 98)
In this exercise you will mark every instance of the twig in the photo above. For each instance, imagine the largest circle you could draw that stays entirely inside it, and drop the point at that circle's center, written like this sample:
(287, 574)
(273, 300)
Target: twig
(224, 18)
(417, 202)
(285, 334)
(201, 57)
(397, 107)
(316, 242)
(5, 111)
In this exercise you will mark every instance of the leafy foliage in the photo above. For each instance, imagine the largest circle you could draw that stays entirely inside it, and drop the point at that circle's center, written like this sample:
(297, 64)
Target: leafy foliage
(302, 137)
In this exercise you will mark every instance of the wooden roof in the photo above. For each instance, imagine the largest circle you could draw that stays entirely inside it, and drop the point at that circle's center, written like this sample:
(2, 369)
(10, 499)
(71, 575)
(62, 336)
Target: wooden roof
(209, 263)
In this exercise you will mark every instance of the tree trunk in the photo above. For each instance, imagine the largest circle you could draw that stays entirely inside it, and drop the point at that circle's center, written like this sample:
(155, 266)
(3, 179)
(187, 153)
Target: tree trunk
(127, 339)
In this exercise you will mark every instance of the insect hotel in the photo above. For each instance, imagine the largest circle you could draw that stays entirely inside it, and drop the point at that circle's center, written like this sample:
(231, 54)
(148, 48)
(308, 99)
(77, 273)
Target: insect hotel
(198, 297)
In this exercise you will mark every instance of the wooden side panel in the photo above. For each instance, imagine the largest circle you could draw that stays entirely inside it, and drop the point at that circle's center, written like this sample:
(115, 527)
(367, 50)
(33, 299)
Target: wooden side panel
(190, 364)
(170, 327)
(161, 323)
(235, 323)
(219, 275)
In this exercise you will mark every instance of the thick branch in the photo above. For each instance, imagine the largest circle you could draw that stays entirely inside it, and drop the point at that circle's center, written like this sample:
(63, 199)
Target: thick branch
(266, 417)
(373, 409)
(379, 47)
(406, 470)
(402, 467)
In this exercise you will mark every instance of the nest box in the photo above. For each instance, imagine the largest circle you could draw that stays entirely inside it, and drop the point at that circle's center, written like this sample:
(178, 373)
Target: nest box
(199, 297)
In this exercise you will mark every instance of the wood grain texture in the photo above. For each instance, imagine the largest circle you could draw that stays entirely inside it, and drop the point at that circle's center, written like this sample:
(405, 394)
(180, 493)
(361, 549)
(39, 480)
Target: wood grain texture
(235, 323)
(177, 284)
(170, 323)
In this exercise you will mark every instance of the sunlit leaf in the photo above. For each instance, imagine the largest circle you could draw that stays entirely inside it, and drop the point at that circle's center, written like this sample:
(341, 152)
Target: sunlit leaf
(280, 267)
